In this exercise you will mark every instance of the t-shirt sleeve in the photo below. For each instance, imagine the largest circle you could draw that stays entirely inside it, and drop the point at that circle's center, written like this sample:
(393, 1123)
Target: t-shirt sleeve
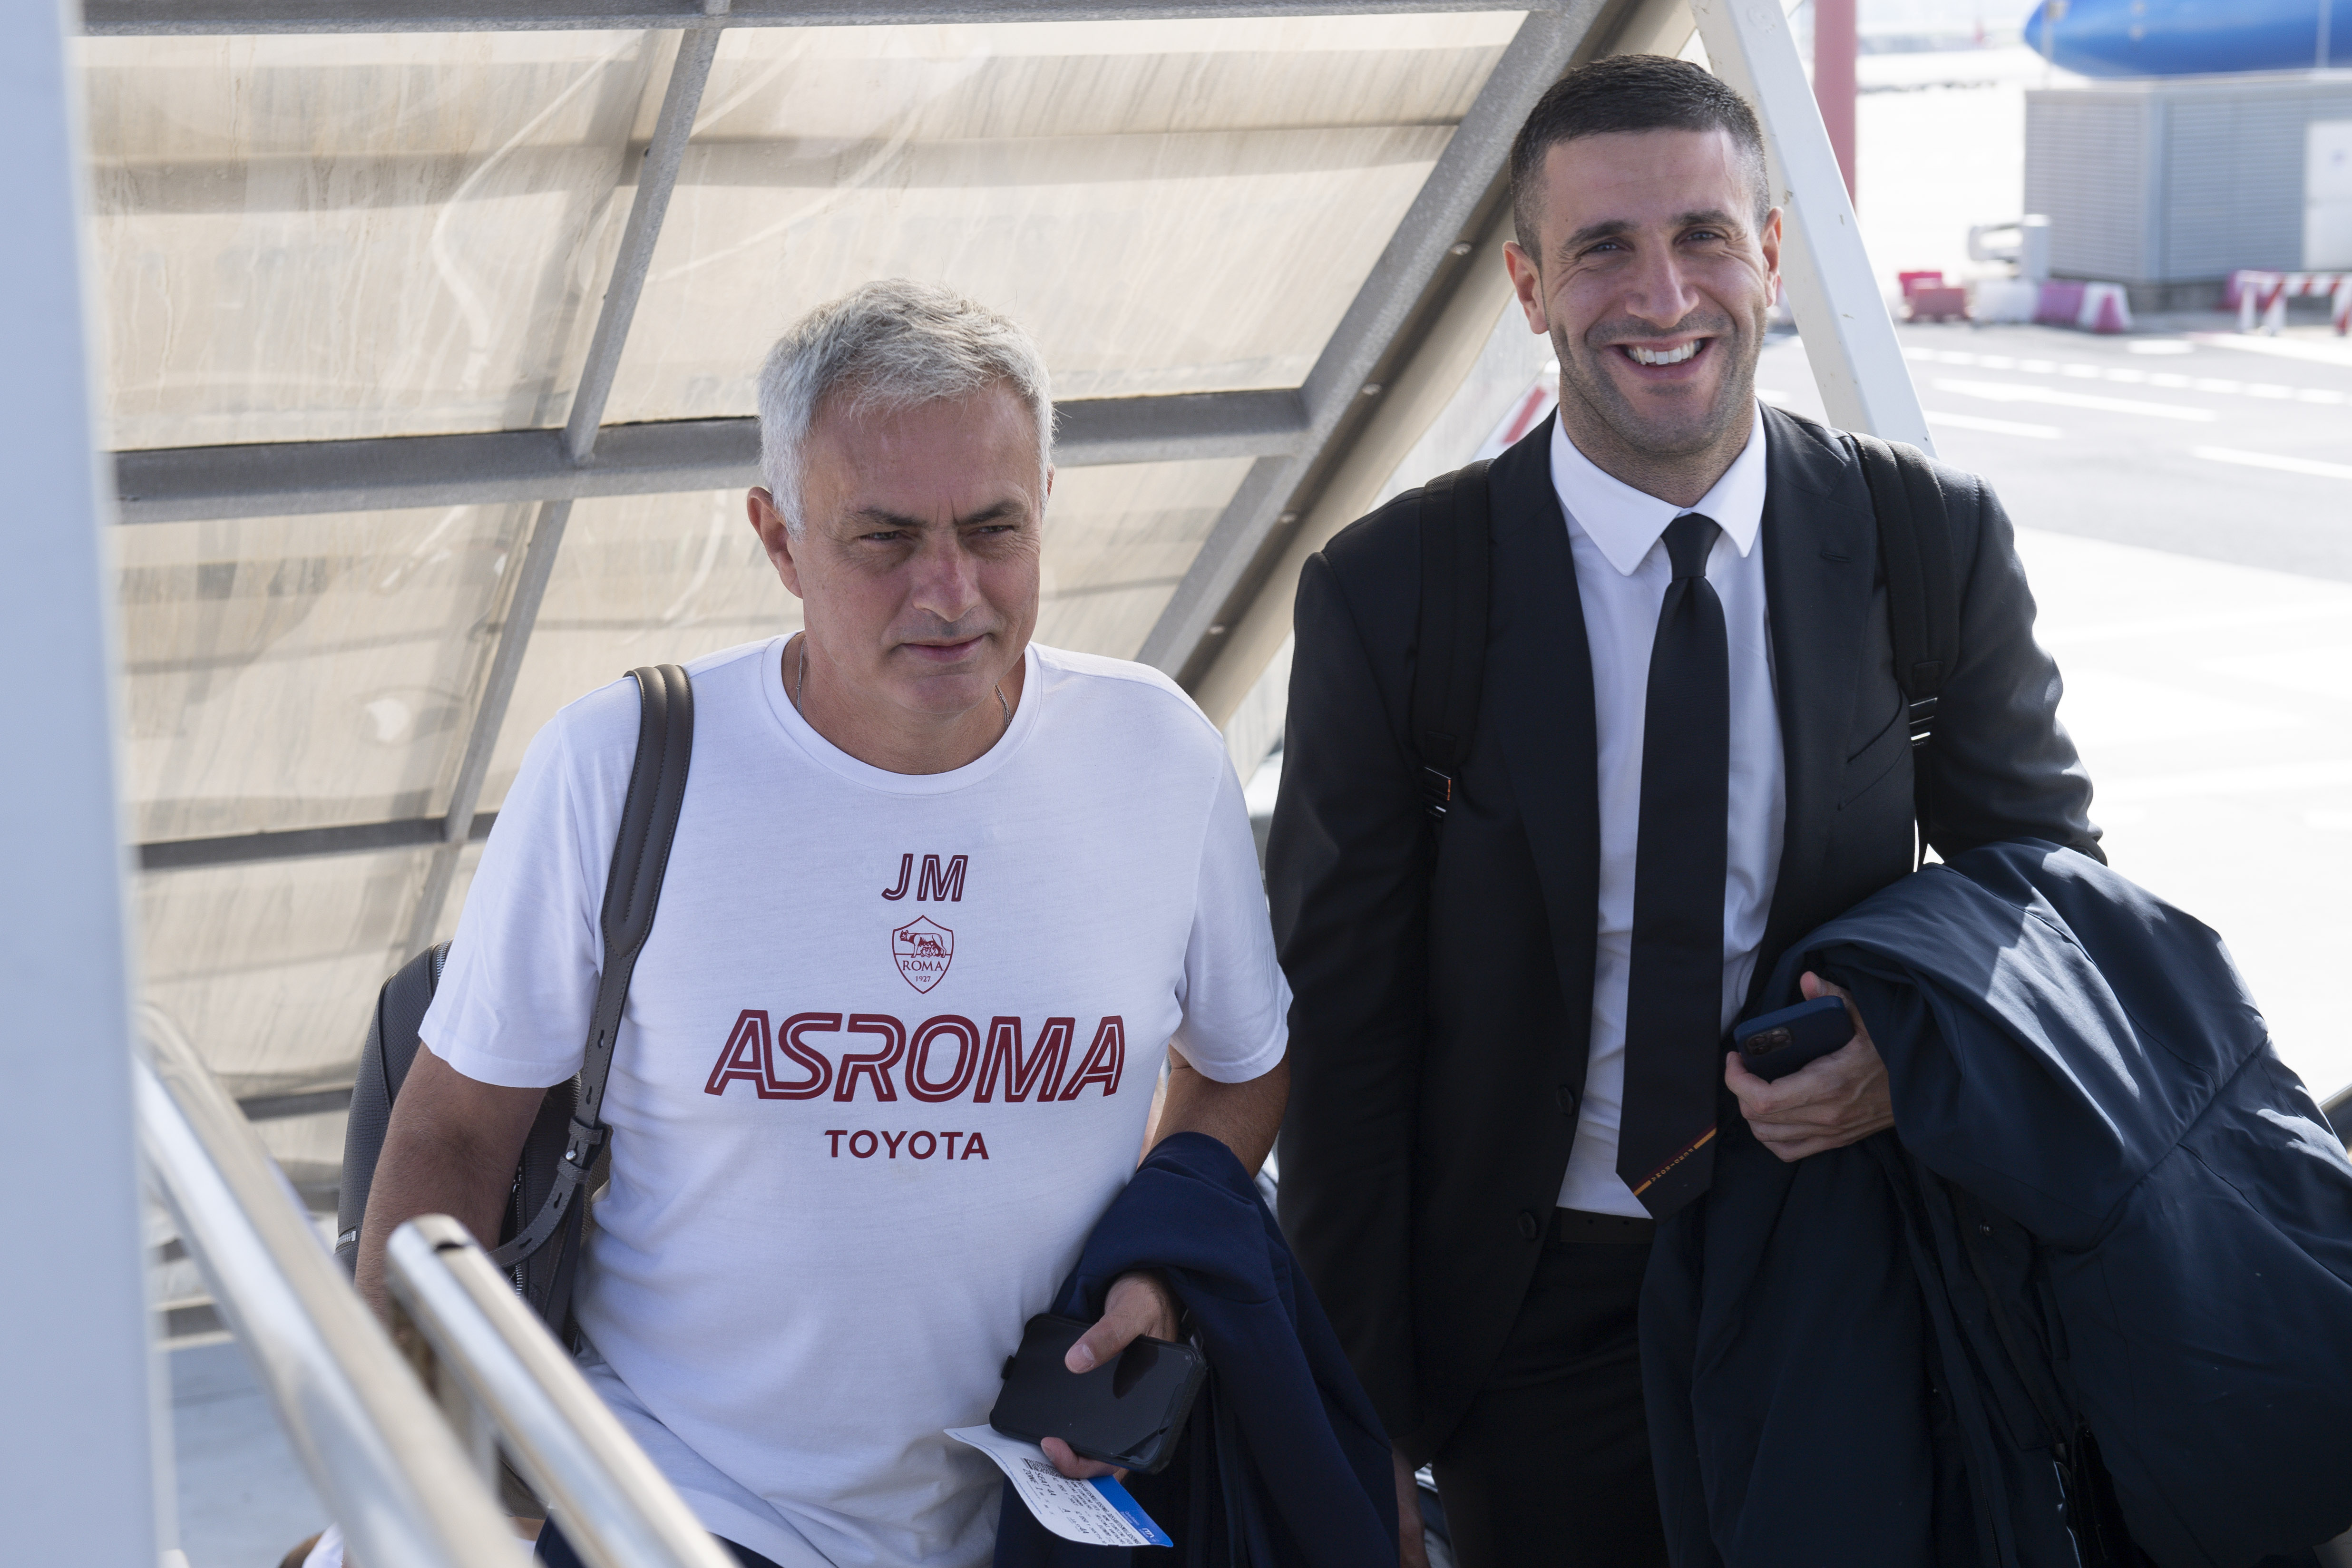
(514, 1001)
(1236, 1003)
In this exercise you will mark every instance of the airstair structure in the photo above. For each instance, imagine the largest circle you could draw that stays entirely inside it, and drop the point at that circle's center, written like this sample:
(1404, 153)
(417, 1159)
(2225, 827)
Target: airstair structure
(403, 1444)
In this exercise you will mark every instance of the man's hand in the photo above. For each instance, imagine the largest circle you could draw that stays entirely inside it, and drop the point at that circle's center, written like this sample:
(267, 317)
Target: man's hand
(1138, 1303)
(1412, 1547)
(1826, 1104)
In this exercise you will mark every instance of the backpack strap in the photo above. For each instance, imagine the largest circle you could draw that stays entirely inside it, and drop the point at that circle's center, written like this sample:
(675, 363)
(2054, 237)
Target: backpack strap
(632, 888)
(1923, 597)
(1450, 658)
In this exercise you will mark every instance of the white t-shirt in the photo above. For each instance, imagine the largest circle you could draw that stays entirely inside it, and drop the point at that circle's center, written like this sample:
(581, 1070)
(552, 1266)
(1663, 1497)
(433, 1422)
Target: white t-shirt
(887, 1056)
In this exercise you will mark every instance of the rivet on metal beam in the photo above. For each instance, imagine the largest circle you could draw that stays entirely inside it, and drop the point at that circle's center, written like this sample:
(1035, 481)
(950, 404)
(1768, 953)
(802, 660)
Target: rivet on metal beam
(1460, 247)
(1371, 389)
(1287, 518)
(1217, 629)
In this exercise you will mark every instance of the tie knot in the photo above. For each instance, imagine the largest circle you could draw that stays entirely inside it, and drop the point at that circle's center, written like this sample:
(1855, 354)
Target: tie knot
(1689, 537)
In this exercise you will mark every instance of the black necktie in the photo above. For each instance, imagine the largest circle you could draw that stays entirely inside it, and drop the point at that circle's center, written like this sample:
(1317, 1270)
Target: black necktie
(1673, 1003)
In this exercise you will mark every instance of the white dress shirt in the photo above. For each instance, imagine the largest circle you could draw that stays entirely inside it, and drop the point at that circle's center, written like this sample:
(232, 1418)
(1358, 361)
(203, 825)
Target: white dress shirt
(1614, 532)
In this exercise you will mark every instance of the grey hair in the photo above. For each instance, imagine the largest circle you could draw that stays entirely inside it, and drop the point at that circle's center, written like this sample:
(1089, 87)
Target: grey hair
(889, 345)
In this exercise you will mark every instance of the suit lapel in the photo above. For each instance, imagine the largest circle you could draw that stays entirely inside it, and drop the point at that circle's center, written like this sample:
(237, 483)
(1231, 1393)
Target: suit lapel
(1539, 675)
(1820, 554)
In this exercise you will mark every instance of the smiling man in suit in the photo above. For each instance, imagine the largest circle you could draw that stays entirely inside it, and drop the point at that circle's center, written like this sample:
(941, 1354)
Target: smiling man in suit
(1690, 748)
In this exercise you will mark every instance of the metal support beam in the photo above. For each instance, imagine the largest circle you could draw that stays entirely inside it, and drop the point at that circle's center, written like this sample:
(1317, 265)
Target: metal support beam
(1422, 385)
(193, 484)
(121, 17)
(79, 1461)
(689, 73)
(302, 843)
(680, 101)
(489, 719)
(1644, 27)
(1848, 337)
(1344, 388)
(1426, 375)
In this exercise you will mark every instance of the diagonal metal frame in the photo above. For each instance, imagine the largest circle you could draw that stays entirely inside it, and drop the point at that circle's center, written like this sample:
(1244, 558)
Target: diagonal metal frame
(1339, 390)
(119, 19)
(689, 73)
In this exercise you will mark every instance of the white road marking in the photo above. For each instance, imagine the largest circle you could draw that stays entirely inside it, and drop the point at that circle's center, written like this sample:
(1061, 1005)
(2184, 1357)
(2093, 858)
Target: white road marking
(2311, 465)
(2312, 671)
(1995, 426)
(2082, 370)
(2062, 635)
(2274, 778)
(2312, 351)
(2105, 707)
(2008, 391)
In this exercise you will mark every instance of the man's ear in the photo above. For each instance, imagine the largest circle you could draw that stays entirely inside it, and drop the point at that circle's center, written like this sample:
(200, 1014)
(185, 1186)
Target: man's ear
(1768, 240)
(1527, 282)
(775, 537)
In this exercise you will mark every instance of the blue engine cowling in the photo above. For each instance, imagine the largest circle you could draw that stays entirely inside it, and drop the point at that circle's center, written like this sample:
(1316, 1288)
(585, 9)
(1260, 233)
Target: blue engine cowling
(2189, 37)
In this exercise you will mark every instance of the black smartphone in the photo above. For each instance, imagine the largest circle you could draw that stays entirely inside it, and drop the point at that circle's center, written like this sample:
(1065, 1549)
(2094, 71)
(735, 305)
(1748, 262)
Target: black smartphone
(1128, 1414)
(1778, 1043)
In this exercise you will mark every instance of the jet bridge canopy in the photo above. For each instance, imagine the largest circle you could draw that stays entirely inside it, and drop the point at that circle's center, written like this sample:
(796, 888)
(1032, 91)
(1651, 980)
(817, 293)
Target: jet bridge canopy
(422, 336)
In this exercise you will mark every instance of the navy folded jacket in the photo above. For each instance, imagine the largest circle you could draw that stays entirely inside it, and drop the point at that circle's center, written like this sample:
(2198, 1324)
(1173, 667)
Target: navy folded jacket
(1284, 1464)
(2090, 1301)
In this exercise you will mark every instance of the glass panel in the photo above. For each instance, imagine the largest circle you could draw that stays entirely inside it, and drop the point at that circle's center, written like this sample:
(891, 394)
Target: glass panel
(303, 238)
(1117, 540)
(642, 579)
(668, 578)
(1170, 207)
(270, 969)
(301, 671)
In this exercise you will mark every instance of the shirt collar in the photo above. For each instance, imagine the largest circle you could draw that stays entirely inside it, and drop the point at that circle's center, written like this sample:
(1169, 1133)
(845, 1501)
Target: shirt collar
(1625, 522)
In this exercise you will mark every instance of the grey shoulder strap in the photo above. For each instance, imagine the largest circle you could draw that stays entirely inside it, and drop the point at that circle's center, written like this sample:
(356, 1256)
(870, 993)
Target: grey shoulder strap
(632, 889)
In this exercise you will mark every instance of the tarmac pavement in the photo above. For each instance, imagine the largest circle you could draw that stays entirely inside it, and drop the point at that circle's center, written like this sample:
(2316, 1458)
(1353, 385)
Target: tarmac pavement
(2184, 501)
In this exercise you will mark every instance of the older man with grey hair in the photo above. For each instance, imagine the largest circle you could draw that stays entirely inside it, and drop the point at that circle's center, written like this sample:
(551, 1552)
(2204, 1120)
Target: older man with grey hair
(938, 899)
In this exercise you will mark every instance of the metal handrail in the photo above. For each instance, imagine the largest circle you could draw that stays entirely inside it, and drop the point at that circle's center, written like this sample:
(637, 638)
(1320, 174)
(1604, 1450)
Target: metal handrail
(616, 1508)
(379, 1453)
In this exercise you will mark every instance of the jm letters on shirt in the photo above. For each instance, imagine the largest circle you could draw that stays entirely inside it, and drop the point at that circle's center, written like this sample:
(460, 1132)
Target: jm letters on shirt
(889, 1053)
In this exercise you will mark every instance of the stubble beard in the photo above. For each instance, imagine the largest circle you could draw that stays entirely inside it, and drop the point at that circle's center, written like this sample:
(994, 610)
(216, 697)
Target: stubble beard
(1649, 451)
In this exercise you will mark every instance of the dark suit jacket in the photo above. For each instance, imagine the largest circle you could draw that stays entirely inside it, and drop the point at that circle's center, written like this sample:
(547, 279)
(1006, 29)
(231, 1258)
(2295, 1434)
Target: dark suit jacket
(1442, 1016)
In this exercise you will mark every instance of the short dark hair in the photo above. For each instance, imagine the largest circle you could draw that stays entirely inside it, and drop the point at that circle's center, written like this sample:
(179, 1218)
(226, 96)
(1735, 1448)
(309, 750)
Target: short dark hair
(1628, 92)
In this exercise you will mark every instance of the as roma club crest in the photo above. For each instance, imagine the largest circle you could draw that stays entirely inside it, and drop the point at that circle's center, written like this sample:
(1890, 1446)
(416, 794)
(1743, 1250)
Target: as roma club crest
(923, 950)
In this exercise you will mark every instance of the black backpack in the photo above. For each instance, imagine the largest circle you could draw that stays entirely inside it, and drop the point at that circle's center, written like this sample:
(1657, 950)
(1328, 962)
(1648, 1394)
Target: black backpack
(1914, 549)
(565, 1155)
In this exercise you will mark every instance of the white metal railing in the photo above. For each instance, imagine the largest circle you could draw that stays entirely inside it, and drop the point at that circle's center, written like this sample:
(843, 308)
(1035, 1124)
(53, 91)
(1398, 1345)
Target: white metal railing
(378, 1452)
(500, 1368)
(402, 1484)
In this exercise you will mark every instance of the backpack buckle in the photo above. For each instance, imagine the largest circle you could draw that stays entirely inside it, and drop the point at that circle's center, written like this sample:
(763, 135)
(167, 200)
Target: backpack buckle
(1437, 791)
(1922, 715)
